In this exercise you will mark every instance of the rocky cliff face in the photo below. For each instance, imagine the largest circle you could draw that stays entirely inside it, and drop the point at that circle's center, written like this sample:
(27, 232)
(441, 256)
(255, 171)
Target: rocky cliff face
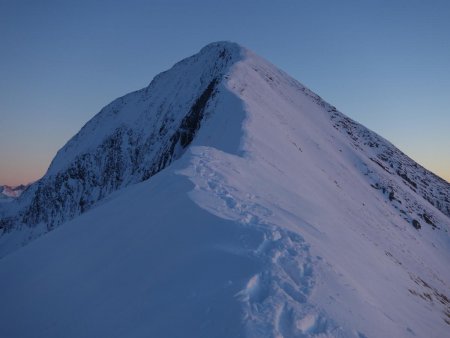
(122, 158)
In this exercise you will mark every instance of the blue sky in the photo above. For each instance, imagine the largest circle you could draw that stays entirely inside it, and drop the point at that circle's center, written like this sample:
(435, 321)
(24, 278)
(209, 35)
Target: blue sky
(386, 64)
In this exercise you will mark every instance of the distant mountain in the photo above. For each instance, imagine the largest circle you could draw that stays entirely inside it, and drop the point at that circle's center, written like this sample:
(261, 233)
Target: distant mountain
(9, 192)
(227, 200)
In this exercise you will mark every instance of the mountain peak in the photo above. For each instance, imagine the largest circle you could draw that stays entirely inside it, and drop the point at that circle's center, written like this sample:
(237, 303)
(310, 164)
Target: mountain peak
(228, 191)
(221, 46)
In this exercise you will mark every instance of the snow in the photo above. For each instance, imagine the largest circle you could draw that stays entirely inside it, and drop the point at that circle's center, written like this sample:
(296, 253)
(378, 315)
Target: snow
(129, 141)
(267, 226)
(138, 110)
(8, 193)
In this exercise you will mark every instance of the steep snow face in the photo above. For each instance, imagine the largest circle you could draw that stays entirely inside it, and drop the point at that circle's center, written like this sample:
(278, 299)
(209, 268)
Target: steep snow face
(283, 218)
(129, 141)
(157, 109)
(377, 220)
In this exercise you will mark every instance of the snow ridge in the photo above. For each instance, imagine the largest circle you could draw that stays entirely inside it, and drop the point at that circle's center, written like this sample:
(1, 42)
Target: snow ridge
(129, 141)
(259, 211)
(276, 300)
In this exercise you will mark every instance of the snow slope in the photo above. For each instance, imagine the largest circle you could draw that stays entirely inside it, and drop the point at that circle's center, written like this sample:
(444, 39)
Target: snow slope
(282, 218)
(129, 141)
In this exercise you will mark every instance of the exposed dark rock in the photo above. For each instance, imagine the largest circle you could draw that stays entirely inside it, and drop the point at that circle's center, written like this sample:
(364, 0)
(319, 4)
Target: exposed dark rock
(73, 191)
(416, 224)
(191, 122)
(391, 196)
(421, 181)
(428, 219)
(381, 165)
(406, 178)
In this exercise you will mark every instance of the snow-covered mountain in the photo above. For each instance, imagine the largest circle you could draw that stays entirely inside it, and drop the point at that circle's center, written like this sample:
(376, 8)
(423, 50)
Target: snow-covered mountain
(227, 200)
(129, 141)
(9, 192)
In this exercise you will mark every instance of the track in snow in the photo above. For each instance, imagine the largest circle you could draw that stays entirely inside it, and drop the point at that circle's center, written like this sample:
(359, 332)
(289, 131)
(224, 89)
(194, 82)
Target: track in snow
(287, 279)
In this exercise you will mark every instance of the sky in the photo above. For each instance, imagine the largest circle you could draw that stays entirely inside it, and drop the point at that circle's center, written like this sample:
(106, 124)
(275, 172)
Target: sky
(385, 64)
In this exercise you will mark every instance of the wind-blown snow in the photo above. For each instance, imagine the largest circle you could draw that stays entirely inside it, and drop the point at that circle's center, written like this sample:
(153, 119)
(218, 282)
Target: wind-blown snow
(283, 218)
